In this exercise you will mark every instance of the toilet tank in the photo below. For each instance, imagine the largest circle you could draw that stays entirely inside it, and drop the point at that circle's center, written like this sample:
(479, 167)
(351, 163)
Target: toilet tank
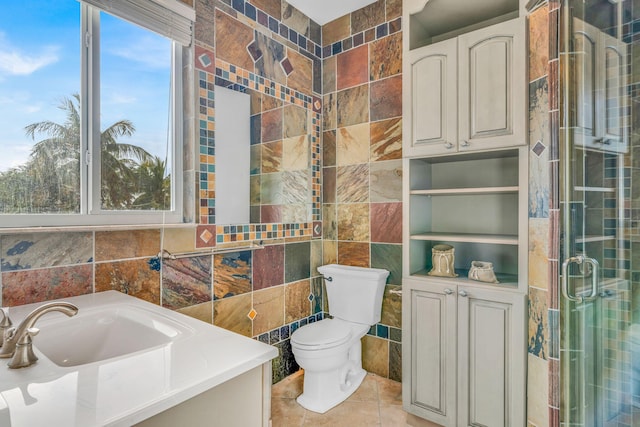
(354, 293)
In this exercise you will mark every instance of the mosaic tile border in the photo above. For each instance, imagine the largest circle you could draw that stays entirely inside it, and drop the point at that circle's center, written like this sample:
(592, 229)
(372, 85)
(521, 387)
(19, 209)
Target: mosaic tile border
(367, 36)
(206, 126)
(250, 232)
(284, 332)
(276, 26)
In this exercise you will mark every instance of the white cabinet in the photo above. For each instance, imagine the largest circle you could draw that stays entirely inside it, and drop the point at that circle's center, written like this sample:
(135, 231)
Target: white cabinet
(467, 93)
(601, 114)
(466, 358)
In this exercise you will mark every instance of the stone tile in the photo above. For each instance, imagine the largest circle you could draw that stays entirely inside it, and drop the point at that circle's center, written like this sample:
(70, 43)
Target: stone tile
(352, 414)
(353, 222)
(295, 154)
(111, 245)
(329, 222)
(316, 256)
(232, 39)
(537, 391)
(272, 125)
(392, 307)
(297, 258)
(538, 43)
(538, 323)
(27, 251)
(269, 102)
(295, 188)
(271, 189)
(269, 305)
(329, 185)
(295, 121)
(269, 65)
(386, 181)
(353, 106)
(395, 361)
(286, 412)
(386, 140)
(232, 314)
(329, 148)
(336, 30)
(271, 157)
(179, 239)
(272, 7)
(539, 172)
(290, 387)
(375, 355)
(255, 159)
(295, 19)
(295, 213)
(353, 253)
(329, 252)
(255, 184)
(29, 286)
(353, 183)
(268, 267)
(539, 252)
(389, 257)
(139, 278)
(232, 274)
(389, 391)
(285, 364)
(352, 145)
(386, 98)
(352, 67)
(386, 222)
(318, 291)
(296, 300)
(329, 112)
(203, 312)
(202, 28)
(368, 17)
(329, 74)
(301, 78)
(186, 282)
(367, 392)
(394, 9)
(385, 57)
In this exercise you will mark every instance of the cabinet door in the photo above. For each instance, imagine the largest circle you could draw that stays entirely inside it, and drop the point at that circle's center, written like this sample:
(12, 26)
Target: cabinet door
(491, 358)
(492, 83)
(431, 97)
(615, 100)
(429, 346)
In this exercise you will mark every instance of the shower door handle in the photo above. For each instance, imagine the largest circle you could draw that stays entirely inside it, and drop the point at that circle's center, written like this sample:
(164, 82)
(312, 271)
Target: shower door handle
(580, 259)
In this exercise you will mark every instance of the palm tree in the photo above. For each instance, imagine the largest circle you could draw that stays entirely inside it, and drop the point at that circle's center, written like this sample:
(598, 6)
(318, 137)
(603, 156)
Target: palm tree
(54, 163)
(154, 184)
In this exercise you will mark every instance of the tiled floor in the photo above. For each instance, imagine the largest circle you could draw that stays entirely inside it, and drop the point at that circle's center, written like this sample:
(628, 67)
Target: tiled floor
(378, 402)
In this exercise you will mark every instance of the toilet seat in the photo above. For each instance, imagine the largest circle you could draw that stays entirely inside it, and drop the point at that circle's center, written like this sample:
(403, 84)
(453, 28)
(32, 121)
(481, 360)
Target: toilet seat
(325, 334)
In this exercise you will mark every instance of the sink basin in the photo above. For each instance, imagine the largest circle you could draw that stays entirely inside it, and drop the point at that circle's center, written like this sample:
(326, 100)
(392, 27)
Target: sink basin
(97, 334)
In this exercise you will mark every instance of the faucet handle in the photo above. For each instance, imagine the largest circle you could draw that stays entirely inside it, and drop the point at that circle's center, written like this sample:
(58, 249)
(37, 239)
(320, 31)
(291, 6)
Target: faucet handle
(5, 322)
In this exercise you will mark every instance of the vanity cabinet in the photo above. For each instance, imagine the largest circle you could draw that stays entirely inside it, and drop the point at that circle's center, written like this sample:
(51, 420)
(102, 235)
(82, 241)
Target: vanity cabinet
(467, 93)
(467, 353)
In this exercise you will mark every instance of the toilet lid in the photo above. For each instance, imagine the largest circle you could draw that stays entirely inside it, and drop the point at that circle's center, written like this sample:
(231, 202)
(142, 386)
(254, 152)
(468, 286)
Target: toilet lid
(323, 334)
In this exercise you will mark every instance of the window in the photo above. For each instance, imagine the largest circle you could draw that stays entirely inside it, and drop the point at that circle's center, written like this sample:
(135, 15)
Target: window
(90, 114)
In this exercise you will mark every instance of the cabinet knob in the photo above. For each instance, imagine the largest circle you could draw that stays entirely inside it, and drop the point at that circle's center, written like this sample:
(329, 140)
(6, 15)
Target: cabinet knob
(463, 293)
(465, 143)
(448, 145)
(448, 291)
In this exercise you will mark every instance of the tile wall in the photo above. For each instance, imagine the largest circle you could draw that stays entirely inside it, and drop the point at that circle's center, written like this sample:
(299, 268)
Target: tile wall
(276, 54)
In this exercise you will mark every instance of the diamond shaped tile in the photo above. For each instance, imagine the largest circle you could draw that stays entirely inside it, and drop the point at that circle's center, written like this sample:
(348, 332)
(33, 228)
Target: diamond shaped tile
(252, 314)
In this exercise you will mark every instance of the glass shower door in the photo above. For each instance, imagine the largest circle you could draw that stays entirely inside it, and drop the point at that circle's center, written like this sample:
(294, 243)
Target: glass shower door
(598, 358)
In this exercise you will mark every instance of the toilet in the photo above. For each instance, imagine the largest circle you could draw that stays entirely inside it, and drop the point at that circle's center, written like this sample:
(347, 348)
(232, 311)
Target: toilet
(330, 351)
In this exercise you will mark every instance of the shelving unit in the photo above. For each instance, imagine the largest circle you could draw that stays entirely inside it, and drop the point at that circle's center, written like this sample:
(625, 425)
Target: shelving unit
(472, 202)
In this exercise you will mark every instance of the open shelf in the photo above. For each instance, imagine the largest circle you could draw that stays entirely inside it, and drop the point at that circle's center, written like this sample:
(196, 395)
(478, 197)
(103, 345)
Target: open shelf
(591, 239)
(495, 239)
(505, 279)
(596, 189)
(466, 191)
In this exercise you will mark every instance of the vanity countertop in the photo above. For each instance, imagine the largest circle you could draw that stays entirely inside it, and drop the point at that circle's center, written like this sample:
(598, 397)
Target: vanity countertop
(127, 389)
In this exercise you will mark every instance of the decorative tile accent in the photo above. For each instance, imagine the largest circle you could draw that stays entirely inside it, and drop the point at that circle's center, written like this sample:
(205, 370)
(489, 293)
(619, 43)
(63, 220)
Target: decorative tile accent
(205, 236)
(252, 314)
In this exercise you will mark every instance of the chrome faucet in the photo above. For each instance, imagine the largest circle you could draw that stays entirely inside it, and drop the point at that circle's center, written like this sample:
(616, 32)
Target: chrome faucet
(17, 343)
(5, 323)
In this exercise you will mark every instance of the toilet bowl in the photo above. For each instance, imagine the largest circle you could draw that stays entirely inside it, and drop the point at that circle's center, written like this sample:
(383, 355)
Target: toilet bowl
(330, 351)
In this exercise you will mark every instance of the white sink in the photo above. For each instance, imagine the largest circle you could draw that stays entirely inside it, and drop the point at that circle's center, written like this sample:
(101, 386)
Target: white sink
(102, 333)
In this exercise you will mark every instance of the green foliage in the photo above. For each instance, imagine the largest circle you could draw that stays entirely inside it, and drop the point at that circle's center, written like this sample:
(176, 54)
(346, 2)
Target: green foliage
(49, 182)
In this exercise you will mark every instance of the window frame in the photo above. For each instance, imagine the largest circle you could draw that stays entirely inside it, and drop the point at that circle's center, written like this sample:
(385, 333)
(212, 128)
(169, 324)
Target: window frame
(91, 212)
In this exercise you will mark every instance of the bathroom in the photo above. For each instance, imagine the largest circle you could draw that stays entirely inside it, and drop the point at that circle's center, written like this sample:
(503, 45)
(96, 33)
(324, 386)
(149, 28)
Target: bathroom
(348, 73)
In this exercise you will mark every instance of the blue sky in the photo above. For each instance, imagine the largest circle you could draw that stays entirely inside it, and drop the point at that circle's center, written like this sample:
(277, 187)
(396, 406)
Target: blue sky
(40, 66)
